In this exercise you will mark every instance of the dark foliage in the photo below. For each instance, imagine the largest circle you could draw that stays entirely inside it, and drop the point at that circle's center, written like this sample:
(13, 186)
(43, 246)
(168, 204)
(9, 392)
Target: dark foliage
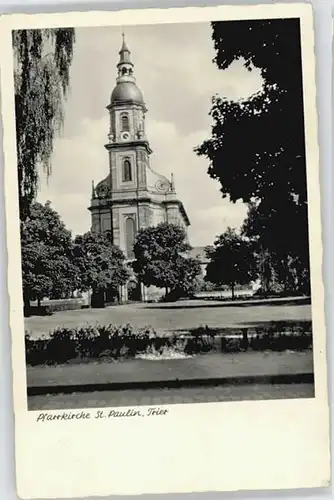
(101, 265)
(48, 268)
(257, 147)
(112, 342)
(162, 260)
(231, 261)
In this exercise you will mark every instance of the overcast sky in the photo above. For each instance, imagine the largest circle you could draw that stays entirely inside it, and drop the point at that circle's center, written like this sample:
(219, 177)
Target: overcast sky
(175, 72)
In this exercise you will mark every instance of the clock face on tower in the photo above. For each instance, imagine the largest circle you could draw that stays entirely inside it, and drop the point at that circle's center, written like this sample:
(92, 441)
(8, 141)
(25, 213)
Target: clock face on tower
(125, 136)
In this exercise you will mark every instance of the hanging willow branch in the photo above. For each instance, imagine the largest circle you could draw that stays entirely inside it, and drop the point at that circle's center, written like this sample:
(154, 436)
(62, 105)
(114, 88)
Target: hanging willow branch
(42, 59)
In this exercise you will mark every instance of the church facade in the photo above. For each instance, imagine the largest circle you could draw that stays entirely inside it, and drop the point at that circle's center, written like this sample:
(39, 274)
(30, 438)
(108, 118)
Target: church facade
(132, 196)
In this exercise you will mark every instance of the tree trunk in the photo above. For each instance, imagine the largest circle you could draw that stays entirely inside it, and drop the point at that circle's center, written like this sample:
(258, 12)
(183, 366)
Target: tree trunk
(26, 304)
(232, 289)
(265, 271)
(38, 303)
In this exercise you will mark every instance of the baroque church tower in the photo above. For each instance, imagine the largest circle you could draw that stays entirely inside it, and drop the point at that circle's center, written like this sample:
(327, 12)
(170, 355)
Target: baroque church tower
(132, 196)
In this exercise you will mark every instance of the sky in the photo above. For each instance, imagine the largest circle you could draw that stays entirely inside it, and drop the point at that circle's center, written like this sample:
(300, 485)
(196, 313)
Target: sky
(174, 69)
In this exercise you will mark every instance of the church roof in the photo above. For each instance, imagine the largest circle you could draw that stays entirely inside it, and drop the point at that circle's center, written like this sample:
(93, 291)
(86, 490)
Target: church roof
(124, 53)
(199, 253)
(125, 92)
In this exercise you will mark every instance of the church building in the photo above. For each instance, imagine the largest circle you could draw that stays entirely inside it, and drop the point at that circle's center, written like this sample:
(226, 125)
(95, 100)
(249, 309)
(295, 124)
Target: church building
(132, 196)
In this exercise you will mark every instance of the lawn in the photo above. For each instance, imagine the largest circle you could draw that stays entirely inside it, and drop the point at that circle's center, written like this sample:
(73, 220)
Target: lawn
(181, 316)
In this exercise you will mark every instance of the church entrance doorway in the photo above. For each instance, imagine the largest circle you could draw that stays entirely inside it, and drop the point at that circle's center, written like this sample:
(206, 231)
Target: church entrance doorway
(134, 291)
(111, 296)
(98, 299)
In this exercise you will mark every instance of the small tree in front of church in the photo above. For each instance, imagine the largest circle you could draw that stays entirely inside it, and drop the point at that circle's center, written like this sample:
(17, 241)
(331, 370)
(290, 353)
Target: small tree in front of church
(48, 267)
(161, 260)
(101, 264)
(232, 261)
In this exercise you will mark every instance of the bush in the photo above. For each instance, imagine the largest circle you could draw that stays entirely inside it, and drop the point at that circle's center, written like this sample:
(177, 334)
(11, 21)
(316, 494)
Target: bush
(38, 311)
(115, 342)
(47, 309)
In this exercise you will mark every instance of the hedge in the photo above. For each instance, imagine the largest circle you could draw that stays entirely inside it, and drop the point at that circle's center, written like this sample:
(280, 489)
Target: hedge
(119, 342)
(47, 309)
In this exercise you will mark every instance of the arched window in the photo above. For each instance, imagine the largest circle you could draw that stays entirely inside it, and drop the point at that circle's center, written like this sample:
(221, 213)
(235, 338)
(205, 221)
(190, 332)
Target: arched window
(130, 233)
(127, 174)
(125, 123)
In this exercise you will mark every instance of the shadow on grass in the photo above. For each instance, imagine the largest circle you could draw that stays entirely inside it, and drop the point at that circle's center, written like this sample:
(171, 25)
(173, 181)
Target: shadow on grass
(305, 326)
(258, 302)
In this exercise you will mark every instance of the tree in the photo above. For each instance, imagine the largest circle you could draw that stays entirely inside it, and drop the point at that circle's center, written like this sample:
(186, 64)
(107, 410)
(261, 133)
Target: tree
(282, 265)
(48, 268)
(185, 279)
(257, 148)
(42, 59)
(161, 259)
(232, 261)
(101, 264)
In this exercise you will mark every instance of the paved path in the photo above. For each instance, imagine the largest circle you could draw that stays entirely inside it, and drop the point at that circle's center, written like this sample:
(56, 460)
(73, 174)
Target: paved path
(209, 366)
(179, 316)
(169, 396)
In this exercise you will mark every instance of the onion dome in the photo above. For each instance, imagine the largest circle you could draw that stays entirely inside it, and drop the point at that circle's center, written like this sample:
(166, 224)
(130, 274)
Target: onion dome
(126, 90)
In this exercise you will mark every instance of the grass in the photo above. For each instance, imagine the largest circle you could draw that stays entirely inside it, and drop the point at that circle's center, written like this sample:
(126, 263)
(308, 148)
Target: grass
(182, 316)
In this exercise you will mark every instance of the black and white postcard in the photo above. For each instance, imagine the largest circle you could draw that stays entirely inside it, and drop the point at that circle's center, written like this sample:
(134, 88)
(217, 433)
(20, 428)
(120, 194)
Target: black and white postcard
(164, 250)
